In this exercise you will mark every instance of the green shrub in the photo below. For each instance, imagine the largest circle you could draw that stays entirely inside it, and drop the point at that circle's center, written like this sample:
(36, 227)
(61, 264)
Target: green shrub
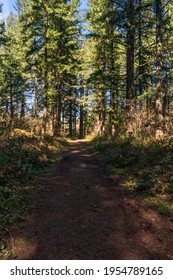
(163, 209)
(21, 159)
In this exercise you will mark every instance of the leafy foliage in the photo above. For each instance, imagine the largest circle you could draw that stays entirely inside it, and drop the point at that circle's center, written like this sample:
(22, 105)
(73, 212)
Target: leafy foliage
(143, 163)
(21, 160)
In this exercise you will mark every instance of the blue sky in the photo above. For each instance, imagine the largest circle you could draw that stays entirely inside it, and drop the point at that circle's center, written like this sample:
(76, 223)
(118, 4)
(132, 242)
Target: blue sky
(8, 6)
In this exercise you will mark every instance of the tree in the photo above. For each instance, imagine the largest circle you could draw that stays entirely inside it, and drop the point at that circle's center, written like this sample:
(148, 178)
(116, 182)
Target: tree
(159, 113)
(130, 63)
(52, 31)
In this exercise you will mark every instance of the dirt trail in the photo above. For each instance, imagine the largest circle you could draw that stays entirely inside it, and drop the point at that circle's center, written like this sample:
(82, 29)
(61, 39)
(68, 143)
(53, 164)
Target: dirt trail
(80, 214)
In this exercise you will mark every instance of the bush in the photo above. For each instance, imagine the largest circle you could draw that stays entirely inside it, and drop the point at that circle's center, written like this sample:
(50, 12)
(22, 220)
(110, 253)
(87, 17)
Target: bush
(21, 159)
(149, 162)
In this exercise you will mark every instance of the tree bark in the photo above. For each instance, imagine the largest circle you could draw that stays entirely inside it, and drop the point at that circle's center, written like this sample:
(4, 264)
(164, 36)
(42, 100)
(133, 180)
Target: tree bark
(130, 66)
(22, 112)
(159, 113)
(81, 121)
(70, 113)
(112, 87)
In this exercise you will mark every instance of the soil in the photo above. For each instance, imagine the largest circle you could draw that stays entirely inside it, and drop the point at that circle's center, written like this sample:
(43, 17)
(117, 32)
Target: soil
(81, 214)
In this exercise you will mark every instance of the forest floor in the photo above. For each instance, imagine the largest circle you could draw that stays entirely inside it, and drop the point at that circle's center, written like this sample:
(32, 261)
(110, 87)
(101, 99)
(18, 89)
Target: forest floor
(81, 213)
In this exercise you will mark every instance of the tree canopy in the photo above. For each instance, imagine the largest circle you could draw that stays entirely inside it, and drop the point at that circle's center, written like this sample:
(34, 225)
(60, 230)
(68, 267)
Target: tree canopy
(108, 70)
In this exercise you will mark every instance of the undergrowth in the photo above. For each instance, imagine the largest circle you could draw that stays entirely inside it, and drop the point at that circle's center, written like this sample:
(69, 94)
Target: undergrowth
(22, 158)
(143, 166)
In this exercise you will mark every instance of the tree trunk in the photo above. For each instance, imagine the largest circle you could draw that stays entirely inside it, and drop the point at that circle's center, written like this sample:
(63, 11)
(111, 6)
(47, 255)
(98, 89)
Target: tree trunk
(59, 112)
(112, 88)
(11, 124)
(140, 53)
(45, 103)
(81, 121)
(159, 114)
(166, 87)
(70, 113)
(130, 67)
(22, 112)
(36, 92)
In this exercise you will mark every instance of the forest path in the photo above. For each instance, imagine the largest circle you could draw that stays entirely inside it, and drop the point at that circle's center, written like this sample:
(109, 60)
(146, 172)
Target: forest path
(81, 214)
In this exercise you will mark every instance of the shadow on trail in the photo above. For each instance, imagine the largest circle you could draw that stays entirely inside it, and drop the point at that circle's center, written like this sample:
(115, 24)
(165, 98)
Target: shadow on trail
(81, 214)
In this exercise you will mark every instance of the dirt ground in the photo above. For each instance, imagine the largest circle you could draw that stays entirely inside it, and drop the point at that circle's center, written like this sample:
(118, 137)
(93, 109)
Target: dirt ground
(81, 214)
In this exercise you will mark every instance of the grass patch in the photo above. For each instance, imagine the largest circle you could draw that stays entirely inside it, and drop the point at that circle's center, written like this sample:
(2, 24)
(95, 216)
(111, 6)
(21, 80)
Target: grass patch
(164, 209)
(115, 170)
(22, 159)
(143, 166)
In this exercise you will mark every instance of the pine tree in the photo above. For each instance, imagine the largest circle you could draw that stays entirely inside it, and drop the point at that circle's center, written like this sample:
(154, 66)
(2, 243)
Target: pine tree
(159, 113)
(53, 33)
